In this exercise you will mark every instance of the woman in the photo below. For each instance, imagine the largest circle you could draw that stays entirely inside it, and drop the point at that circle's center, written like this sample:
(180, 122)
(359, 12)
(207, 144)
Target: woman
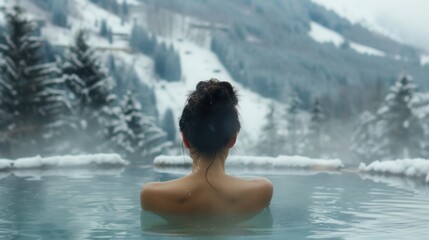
(209, 125)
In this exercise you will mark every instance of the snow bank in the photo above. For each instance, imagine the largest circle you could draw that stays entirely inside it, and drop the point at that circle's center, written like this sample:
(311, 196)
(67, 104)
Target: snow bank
(74, 173)
(5, 164)
(417, 168)
(252, 161)
(64, 161)
(244, 172)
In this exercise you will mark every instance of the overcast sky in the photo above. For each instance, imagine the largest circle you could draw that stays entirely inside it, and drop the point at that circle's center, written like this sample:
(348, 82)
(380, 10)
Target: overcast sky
(406, 20)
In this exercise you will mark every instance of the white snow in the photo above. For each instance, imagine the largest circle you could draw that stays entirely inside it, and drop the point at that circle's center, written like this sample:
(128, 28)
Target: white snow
(366, 50)
(249, 172)
(424, 60)
(420, 103)
(129, 2)
(260, 162)
(364, 13)
(198, 64)
(417, 168)
(5, 164)
(322, 34)
(88, 16)
(197, 61)
(64, 161)
(36, 174)
(325, 35)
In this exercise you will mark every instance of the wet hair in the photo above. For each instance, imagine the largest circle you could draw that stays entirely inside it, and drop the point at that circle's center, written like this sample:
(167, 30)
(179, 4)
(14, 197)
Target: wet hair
(210, 118)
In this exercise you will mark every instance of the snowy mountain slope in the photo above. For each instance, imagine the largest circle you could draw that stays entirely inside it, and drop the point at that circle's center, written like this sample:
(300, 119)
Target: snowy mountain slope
(368, 15)
(198, 62)
(356, 12)
(322, 34)
(88, 16)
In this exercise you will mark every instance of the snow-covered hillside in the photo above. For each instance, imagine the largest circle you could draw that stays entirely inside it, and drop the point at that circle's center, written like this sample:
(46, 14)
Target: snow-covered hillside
(324, 35)
(403, 21)
(364, 14)
(197, 61)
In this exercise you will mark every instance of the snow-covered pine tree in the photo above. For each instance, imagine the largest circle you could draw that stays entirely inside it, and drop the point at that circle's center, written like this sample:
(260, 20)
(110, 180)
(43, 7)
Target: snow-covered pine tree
(169, 125)
(271, 140)
(115, 130)
(400, 131)
(34, 106)
(293, 126)
(140, 40)
(104, 29)
(86, 76)
(316, 136)
(148, 140)
(92, 88)
(364, 139)
(173, 69)
(160, 59)
(167, 63)
(59, 12)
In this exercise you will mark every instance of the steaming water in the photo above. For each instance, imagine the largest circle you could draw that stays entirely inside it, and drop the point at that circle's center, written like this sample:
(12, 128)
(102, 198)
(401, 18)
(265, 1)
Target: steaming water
(105, 205)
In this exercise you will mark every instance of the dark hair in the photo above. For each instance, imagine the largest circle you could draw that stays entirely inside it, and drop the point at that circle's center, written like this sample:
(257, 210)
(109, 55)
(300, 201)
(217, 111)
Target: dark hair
(210, 118)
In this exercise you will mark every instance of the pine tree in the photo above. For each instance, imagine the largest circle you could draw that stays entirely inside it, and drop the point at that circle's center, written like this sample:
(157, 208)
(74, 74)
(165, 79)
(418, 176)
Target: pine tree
(124, 7)
(316, 135)
(34, 106)
(169, 125)
(167, 63)
(104, 30)
(271, 139)
(115, 130)
(400, 131)
(293, 126)
(160, 59)
(86, 76)
(60, 12)
(148, 140)
(141, 41)
(364, 140)
(92, 88)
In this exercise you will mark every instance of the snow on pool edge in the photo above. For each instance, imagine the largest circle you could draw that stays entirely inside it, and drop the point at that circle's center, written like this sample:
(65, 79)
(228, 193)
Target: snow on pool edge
(5, 164)
(417, 168)
(270, 162)
(64, 161)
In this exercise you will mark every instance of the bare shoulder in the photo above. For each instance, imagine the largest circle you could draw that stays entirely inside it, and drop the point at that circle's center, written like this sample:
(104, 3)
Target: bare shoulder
(257, 192)
(264, 187)
(153, 193)
(147, 194)
(158, 196)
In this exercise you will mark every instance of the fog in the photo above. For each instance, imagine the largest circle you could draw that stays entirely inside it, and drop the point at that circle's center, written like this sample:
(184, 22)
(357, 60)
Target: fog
(404, 20)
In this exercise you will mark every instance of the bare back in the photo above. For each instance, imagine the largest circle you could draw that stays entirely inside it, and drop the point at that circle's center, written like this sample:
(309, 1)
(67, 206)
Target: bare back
(193, 195)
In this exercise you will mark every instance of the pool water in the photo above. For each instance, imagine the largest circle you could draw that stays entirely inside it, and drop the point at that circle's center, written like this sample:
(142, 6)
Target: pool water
(104, 204)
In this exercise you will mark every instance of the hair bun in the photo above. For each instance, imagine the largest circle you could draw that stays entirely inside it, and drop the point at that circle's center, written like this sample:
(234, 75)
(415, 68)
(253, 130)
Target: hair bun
(214, 93)
(210, 118)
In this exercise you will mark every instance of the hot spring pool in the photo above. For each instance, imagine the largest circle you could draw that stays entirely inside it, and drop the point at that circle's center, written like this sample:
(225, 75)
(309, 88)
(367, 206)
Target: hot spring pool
(104, 204)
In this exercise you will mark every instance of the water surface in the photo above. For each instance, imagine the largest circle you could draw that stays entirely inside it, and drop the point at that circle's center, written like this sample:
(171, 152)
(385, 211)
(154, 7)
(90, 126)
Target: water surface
(104, 204)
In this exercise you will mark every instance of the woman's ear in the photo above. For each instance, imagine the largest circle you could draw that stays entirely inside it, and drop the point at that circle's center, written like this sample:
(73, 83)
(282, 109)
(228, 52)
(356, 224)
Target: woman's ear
(232, 142)
(185, 141)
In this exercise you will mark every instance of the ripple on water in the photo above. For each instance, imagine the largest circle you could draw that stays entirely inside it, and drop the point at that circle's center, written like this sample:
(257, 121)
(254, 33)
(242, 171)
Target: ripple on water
(106, 205)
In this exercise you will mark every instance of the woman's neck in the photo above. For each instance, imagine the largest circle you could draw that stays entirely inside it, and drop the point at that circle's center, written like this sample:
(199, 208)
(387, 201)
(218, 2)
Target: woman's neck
(216, 163)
